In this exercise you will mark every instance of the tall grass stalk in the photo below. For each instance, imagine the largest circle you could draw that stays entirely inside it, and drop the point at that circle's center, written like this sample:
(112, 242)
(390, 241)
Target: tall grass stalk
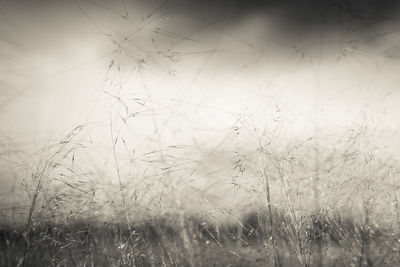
(317, 207)
(296, 220)
(265, 176)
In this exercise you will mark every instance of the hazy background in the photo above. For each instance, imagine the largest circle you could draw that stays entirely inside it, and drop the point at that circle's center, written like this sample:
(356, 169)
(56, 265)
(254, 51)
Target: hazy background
(185, 73)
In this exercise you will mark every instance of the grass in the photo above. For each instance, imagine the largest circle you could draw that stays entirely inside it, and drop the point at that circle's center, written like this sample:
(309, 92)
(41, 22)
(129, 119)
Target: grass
(256, 196)
(282, 217)
(158, 242)
(259, 198)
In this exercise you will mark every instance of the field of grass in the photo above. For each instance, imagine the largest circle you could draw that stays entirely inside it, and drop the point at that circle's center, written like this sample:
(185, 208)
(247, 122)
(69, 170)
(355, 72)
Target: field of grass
(171, 164)
(287, 208)
(324, 240)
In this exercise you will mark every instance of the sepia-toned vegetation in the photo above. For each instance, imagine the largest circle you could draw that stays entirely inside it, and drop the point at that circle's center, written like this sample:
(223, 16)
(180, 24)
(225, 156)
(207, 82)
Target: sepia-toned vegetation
(132, 185)
(341, 210)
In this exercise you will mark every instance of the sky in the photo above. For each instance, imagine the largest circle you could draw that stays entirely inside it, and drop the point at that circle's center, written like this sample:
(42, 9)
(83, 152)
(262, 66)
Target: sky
(184, 72)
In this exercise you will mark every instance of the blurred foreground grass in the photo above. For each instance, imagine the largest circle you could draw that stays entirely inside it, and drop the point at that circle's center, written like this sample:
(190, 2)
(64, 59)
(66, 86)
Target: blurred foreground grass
(161, 242)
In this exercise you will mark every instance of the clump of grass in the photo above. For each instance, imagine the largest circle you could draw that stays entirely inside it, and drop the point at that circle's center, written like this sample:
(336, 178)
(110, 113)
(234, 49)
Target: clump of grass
(280, 226)
(74, 218)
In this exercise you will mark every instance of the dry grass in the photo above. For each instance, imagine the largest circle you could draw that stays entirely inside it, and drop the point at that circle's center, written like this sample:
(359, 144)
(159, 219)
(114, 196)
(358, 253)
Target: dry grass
(257, 196)
(158, 242)
(283, 217)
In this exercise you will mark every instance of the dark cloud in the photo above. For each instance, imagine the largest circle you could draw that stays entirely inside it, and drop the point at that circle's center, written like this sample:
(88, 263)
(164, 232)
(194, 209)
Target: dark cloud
(311, 9)
(287, 21)
(293, 15)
